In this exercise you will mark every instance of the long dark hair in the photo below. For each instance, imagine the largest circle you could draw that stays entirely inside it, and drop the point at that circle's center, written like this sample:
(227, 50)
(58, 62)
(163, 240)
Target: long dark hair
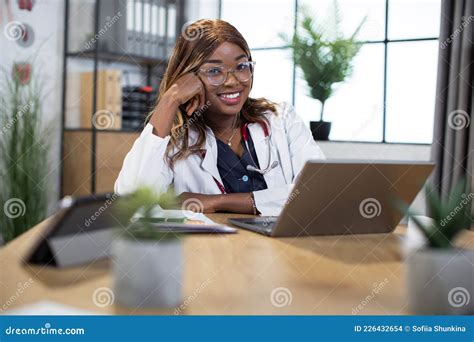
(196, 43)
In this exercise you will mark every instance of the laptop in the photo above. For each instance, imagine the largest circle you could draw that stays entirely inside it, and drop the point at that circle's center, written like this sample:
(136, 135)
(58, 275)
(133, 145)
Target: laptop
(341, 197)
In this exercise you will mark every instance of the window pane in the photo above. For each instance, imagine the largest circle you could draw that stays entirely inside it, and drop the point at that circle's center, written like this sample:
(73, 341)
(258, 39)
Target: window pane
(352, 13)
(411, 85)
(413, 18)
(356, 107)
(260, 22)
(273, 76)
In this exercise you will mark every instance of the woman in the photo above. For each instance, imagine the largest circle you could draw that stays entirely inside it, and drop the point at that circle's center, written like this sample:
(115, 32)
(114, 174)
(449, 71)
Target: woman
(208, 139)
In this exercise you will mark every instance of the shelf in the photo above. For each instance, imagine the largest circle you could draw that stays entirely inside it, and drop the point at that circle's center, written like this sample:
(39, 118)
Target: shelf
(116, 57)
(101, 130)
(89, 168)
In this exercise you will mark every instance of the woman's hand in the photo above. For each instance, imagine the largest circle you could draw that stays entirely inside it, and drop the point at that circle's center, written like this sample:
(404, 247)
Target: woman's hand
(189, 90)
(236, 203)
(199, 202)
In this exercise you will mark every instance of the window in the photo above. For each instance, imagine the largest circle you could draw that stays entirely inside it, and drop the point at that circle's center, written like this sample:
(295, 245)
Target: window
(391, 94)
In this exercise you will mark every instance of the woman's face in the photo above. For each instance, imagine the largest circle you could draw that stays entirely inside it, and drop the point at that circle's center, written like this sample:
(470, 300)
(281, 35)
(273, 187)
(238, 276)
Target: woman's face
(228, 97)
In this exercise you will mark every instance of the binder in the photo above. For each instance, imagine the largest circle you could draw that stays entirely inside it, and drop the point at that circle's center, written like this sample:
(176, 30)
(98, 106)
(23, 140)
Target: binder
(147, 28)
(171, 29)
(116, 25)
(154, 48)
(161, 29)
(129, 34)
(109, 97)
(138, 32)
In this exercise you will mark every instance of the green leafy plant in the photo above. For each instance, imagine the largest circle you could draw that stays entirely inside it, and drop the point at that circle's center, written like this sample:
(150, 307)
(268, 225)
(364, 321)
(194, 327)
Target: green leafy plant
(143, 200)
(24, 148)
(450, 216)
(324, 60)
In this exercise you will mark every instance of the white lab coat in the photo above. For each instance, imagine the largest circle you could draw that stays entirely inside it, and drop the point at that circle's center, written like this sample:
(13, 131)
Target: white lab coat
(291, 144)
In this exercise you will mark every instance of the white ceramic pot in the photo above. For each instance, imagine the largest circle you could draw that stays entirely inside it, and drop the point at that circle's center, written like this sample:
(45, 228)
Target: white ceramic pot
(414, 238)
(148, 273)
(440, 281)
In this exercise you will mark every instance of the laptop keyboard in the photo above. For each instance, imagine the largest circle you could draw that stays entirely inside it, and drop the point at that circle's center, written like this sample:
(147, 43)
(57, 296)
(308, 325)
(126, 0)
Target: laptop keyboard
(265, 223)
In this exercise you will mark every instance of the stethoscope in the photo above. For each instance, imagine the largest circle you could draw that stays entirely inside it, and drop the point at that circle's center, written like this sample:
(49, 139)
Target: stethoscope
(253, 168)
(266, 132)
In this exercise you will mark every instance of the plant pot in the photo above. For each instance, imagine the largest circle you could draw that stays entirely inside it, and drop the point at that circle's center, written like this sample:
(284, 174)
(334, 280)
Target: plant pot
(440, 281)
(414, 238)
(148, 273)
(320, 130)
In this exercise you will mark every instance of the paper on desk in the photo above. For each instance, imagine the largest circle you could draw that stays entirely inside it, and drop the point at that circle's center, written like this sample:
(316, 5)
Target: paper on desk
(158, 212)
(49, 308)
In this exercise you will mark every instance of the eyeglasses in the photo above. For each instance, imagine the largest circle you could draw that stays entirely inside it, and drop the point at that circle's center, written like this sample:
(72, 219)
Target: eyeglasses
(218, 75)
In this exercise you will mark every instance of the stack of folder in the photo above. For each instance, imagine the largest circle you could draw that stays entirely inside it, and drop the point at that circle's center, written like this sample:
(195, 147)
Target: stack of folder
(144, 28)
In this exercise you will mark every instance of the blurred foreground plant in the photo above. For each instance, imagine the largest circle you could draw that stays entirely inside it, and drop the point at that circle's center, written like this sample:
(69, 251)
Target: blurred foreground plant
(143, 200)
(450, 216)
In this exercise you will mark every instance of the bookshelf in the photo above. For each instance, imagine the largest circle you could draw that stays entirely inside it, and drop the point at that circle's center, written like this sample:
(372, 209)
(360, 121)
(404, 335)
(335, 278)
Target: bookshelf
(115, 57)
(91, 157)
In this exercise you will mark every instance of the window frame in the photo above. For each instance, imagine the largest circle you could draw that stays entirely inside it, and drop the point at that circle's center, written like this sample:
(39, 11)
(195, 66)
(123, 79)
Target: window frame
(386, 41)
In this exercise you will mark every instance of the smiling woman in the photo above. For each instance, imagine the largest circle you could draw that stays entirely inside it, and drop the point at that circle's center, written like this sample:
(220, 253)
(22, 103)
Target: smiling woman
(209, 139)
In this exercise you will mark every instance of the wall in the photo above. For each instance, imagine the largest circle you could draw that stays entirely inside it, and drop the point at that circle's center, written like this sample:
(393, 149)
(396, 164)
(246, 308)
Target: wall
(198, 9)
(47, 22)
(345, 150)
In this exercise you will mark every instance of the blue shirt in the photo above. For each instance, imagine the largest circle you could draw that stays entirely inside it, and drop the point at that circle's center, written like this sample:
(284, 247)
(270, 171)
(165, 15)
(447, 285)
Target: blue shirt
(233, 169)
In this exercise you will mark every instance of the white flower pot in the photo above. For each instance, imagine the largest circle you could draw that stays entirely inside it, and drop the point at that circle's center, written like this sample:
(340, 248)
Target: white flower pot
(148, 273)
(414, 238)
(440, 281)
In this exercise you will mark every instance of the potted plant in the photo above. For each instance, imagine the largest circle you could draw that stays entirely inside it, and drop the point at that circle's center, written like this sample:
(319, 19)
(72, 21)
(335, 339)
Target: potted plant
(148, 264)
(440, 275)
(24, 151)
(324, 60)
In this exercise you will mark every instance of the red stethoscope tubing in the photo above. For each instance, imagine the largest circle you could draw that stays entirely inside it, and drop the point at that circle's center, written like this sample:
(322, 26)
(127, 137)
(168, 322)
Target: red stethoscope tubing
(244, 130)
(246, 139)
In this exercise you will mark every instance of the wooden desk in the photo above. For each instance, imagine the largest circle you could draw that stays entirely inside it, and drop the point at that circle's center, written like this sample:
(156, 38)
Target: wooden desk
(236, 274)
